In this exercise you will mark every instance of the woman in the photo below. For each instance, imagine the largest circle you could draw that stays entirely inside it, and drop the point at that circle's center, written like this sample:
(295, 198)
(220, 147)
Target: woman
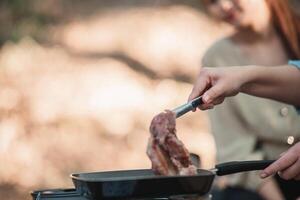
(245, 127)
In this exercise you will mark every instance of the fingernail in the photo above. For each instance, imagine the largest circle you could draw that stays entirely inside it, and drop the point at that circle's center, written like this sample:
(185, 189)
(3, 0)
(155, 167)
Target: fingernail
(279, 173)
(263, 175)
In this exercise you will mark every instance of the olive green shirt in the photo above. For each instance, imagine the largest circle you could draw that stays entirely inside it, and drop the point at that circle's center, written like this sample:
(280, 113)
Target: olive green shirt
(247, 127)
(295, 63)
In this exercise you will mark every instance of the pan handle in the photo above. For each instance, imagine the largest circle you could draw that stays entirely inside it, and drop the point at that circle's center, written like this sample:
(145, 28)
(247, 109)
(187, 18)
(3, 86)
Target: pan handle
(241, 166)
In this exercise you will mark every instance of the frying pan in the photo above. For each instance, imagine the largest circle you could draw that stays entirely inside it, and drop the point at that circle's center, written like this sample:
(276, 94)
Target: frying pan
(144, 184)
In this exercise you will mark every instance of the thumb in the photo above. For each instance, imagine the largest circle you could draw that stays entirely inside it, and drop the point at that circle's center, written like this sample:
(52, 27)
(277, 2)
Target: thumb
(198, 88)
(213, 93)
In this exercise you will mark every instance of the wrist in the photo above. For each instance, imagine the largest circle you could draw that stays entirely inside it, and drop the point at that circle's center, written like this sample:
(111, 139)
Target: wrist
(249, 76)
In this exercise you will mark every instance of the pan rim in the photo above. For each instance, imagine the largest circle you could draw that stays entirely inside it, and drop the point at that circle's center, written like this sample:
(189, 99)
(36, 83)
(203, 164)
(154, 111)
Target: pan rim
(78, 176)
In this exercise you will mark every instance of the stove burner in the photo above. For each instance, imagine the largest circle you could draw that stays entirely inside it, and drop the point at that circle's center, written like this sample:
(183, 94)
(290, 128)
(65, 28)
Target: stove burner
(72, 194)
(58, 194)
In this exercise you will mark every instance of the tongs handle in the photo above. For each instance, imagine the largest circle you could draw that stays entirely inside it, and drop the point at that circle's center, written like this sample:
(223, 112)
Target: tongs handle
(181, 110)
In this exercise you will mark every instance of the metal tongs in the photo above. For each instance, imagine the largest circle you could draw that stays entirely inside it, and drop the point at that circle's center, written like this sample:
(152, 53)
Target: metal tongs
(183, 109)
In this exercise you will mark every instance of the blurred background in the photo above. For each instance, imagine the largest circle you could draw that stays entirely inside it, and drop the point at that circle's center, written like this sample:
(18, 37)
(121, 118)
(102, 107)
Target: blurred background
(81, 80)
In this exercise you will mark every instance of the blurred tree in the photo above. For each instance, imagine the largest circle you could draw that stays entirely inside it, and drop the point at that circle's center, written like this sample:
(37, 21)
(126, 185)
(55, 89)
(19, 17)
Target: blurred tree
(20, 18)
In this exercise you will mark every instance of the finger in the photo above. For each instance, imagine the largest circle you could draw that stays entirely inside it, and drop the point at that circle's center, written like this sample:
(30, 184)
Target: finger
(291, 172)
(206, 106)
(213, 93)
(282, 163)
(219, 100)
(211, 105)
(199, 87)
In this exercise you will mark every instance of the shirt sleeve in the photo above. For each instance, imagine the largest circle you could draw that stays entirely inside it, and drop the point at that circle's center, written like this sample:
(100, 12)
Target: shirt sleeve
(295, 63)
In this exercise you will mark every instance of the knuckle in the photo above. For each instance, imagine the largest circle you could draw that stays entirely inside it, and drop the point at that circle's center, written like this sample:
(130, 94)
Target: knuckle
(276, 167)
(213, 93)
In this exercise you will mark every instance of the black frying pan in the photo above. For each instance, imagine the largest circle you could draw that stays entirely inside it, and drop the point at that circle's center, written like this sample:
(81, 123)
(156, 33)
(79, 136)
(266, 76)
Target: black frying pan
(143, 183)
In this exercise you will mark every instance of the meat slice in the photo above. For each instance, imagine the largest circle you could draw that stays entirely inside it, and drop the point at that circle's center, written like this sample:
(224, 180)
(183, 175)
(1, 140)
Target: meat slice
(161, 163)
(166, 152)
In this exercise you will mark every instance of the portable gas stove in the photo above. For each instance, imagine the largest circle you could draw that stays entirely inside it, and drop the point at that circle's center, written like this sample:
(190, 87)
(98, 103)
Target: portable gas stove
(143, 184)
(80, 190)
(72, 194)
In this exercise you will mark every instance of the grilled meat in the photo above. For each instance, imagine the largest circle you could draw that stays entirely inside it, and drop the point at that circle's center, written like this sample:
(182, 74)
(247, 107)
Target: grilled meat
(166, 152)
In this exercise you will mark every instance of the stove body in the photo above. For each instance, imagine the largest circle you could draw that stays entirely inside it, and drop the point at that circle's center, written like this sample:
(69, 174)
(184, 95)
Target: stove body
(57, 194)
(73, 194)
(80, 194)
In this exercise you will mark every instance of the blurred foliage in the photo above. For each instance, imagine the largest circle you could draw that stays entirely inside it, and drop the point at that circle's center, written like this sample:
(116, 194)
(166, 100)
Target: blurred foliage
(22, 18)
(62, 77)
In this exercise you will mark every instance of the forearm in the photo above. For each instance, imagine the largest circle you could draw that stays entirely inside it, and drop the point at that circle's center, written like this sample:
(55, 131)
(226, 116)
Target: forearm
(280, 83)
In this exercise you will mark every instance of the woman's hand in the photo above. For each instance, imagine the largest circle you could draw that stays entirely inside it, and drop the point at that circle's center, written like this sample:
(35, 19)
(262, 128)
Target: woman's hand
(287, 166)
(279, 83)
(217, 83)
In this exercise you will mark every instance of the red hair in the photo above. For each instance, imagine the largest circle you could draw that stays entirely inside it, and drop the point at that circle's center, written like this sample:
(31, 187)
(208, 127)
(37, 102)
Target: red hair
(288, 25)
